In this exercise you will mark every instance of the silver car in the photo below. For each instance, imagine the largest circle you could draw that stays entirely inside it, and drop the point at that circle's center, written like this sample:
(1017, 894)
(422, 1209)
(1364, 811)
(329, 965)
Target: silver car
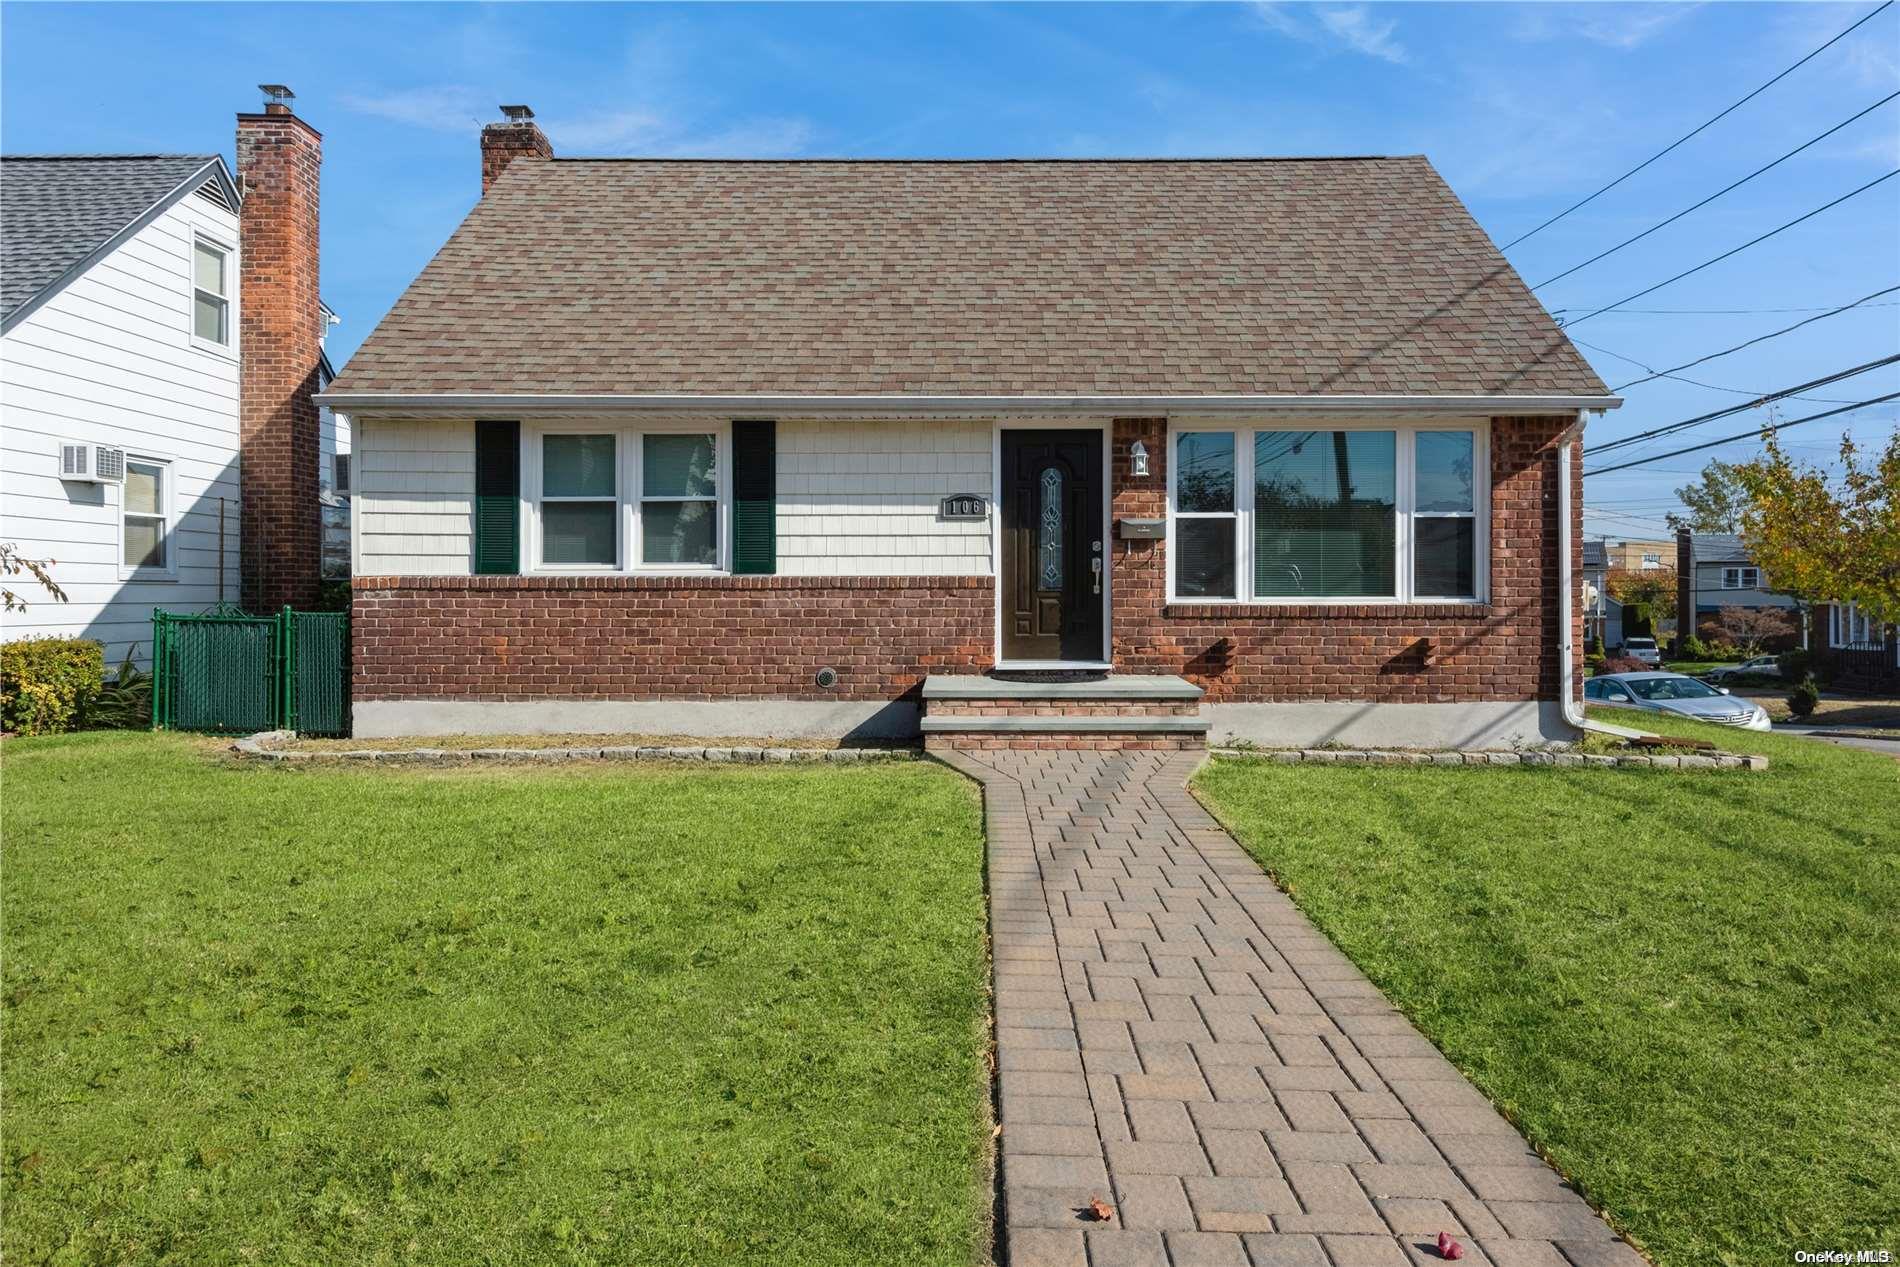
(1675, 693)
(1766, 665)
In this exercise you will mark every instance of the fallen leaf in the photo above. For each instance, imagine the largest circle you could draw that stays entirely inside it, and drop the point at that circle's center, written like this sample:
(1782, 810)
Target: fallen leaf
(1449, 1248)
(1101, 1211)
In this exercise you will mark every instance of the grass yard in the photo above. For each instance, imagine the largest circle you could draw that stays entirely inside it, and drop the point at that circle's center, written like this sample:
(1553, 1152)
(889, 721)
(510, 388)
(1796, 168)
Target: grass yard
(1683, 986)
(572, 1014)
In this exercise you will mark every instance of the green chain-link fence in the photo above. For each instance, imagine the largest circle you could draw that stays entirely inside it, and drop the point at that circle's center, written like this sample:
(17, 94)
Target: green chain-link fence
(227, 672)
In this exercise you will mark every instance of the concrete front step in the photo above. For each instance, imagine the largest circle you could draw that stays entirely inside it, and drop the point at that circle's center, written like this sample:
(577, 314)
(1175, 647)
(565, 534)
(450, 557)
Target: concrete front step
(1115, 711)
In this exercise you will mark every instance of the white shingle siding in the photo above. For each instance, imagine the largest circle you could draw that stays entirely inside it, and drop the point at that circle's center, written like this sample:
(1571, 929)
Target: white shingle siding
(414, 495)
(860, 498)
(109, 360)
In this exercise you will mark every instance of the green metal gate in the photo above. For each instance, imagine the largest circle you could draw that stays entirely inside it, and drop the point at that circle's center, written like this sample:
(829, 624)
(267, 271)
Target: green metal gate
(224, 671)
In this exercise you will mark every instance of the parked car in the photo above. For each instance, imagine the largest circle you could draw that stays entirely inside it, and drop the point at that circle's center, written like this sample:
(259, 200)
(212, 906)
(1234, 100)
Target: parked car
(1676, 693)
(1643, 649)
(1764, 665)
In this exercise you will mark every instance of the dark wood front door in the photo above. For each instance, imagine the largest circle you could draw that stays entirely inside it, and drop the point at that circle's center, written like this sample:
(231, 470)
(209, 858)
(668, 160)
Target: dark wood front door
(1054, 557)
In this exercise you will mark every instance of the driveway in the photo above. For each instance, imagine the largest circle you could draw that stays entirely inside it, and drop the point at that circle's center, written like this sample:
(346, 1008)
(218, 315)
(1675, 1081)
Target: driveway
(1847, 738)
(1176, 1040)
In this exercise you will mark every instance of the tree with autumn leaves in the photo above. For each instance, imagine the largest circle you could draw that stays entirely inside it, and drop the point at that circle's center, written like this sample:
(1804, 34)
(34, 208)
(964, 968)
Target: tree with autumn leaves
(1827, 539)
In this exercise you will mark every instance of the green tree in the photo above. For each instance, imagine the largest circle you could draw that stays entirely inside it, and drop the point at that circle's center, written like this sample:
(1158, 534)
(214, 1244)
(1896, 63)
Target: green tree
(1830, 538)
(1714, 502)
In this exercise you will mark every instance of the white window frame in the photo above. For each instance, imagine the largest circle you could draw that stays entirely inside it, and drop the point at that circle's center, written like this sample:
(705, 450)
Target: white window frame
(1406, 495)
(168, 520)
(228, 348)
(628, 496)
(1745, 578)
(1848, 628)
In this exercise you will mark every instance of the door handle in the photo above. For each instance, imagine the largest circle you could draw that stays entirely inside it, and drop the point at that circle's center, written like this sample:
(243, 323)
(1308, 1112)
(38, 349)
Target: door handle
(1095, 565)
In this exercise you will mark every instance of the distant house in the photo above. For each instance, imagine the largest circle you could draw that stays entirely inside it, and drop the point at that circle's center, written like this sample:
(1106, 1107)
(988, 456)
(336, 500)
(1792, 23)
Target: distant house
(160, 345)
(1713, 571)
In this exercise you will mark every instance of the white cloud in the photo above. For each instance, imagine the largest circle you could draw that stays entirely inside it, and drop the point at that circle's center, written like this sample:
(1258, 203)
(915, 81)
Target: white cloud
(1618, 26)
(453, 108)
(1349, 24)
(1359, 31)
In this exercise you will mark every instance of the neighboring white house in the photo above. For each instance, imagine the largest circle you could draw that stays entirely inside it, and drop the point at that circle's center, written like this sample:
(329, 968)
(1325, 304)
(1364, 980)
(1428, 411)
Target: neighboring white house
(120, 391)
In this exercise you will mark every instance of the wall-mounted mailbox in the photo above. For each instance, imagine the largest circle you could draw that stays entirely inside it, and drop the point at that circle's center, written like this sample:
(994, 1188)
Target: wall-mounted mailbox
(1141, 529)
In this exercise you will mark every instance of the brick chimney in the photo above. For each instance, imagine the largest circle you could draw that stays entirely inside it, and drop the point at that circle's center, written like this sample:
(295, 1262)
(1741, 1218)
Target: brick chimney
(280, 330)
(519, 136)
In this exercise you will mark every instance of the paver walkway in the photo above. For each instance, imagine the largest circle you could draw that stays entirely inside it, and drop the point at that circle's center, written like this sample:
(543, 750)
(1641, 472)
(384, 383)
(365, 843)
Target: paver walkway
(1173, 1037)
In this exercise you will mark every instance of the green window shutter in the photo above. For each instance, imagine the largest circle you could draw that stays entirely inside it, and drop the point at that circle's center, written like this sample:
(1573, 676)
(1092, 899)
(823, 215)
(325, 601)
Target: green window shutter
(497, 498)
(754, 498)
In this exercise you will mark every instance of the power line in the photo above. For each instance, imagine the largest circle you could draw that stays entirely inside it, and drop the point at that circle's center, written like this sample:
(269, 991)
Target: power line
(1774, 334)
(1759, 431)
(1724, 114)
(1673, 427)
(1718, 193)
(1655, 373)
(1709, 312)
(1739, 249)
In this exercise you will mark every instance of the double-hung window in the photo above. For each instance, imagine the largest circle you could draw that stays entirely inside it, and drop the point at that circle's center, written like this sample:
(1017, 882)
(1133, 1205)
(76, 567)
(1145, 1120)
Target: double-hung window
(1278, 514)
(1741, 578)
(210, 293)
(1849, 627)
(628, 499)
(145, 508)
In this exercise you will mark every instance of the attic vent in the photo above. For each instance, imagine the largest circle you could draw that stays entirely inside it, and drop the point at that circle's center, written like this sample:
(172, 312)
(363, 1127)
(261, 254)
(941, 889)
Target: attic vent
(212, 191)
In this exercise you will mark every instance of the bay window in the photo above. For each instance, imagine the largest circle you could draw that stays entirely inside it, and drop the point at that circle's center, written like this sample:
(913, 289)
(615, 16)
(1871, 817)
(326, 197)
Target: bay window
(1279, 514)
(628, 499)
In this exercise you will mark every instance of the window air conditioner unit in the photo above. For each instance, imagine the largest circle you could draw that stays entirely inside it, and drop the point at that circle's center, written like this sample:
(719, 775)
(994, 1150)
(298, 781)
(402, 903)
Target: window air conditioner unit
(91, 464)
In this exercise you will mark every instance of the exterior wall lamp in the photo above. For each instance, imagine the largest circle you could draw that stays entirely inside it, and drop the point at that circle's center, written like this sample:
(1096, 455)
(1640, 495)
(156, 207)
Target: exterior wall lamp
(1138, 458)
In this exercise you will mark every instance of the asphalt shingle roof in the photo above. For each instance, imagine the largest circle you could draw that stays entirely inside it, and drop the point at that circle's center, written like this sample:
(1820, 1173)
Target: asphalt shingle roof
(55, 210)
(1242, 277)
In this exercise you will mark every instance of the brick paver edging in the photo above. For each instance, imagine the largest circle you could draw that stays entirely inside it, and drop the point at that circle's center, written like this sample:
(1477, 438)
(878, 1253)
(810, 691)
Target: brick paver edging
(1176, 1040)
(260, 747)
(1564, 760)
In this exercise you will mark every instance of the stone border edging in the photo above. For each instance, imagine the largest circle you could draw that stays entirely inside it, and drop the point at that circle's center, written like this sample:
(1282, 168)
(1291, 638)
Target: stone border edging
(260, 746)
(1332, 756)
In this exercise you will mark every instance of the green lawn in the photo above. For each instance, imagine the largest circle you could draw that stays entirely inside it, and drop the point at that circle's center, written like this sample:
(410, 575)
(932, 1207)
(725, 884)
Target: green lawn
(1683, 986)
(592, 1015)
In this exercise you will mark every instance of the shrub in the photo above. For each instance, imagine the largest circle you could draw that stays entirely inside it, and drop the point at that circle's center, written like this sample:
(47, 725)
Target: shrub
(126, 704)
(1596, 646)
(47, 684)
(1805, 698)
(1693, 648)
(1797, 664)
(1622, 664)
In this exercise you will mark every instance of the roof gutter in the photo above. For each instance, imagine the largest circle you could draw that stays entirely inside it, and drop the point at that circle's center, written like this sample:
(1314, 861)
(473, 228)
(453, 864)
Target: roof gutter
(844, 406)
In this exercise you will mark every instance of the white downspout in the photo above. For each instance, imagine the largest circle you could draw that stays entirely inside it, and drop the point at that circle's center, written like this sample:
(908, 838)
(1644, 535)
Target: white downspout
(1566, 636)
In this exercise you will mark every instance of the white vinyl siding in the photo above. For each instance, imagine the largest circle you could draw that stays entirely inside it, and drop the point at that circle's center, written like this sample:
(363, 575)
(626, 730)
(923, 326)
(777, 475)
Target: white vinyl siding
(861, 498)
(414, 497)
(110, 360)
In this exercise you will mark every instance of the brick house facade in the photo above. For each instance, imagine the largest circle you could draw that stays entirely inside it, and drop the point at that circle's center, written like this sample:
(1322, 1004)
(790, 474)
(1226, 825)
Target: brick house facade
(742, 493)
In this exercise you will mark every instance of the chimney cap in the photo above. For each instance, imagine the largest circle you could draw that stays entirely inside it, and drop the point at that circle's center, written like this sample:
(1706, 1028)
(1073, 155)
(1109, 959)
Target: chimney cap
(517, 114)
(276, 94)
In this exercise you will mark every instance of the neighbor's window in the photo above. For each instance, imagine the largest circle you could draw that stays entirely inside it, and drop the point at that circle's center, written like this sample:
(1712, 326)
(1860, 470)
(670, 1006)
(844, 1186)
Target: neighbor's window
(1741, 578)
(679, 500)
(1652, 560)
(1349, 513)
(1848, 627)
(211, 292)
(340, 473)
(147, 535)
(580, 501)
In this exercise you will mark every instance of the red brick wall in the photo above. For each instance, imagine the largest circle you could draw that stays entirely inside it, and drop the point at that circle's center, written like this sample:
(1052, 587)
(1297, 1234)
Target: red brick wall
(278, 158)
(1505, 649)
(505, 637)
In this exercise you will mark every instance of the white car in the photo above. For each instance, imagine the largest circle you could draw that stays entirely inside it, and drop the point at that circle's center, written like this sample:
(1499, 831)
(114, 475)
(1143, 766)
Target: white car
(1643, 649)
(1766, 665)
(1676, 693)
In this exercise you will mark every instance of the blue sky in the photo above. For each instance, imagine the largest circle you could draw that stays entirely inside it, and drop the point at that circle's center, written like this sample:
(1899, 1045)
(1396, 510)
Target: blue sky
(1524, 108)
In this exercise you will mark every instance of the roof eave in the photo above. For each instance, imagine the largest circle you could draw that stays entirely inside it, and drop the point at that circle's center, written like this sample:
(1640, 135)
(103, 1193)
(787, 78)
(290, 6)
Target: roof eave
(835, 406)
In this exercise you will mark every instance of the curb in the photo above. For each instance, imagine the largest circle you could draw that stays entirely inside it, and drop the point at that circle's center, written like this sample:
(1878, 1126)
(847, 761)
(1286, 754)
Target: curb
(1567, 760)
(260, 747)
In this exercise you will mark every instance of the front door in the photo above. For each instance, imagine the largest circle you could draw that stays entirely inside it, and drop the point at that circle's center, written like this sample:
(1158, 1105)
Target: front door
(1054, 564)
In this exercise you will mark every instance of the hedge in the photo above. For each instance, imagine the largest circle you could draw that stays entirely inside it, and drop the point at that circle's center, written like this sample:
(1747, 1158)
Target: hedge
(47, 684)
